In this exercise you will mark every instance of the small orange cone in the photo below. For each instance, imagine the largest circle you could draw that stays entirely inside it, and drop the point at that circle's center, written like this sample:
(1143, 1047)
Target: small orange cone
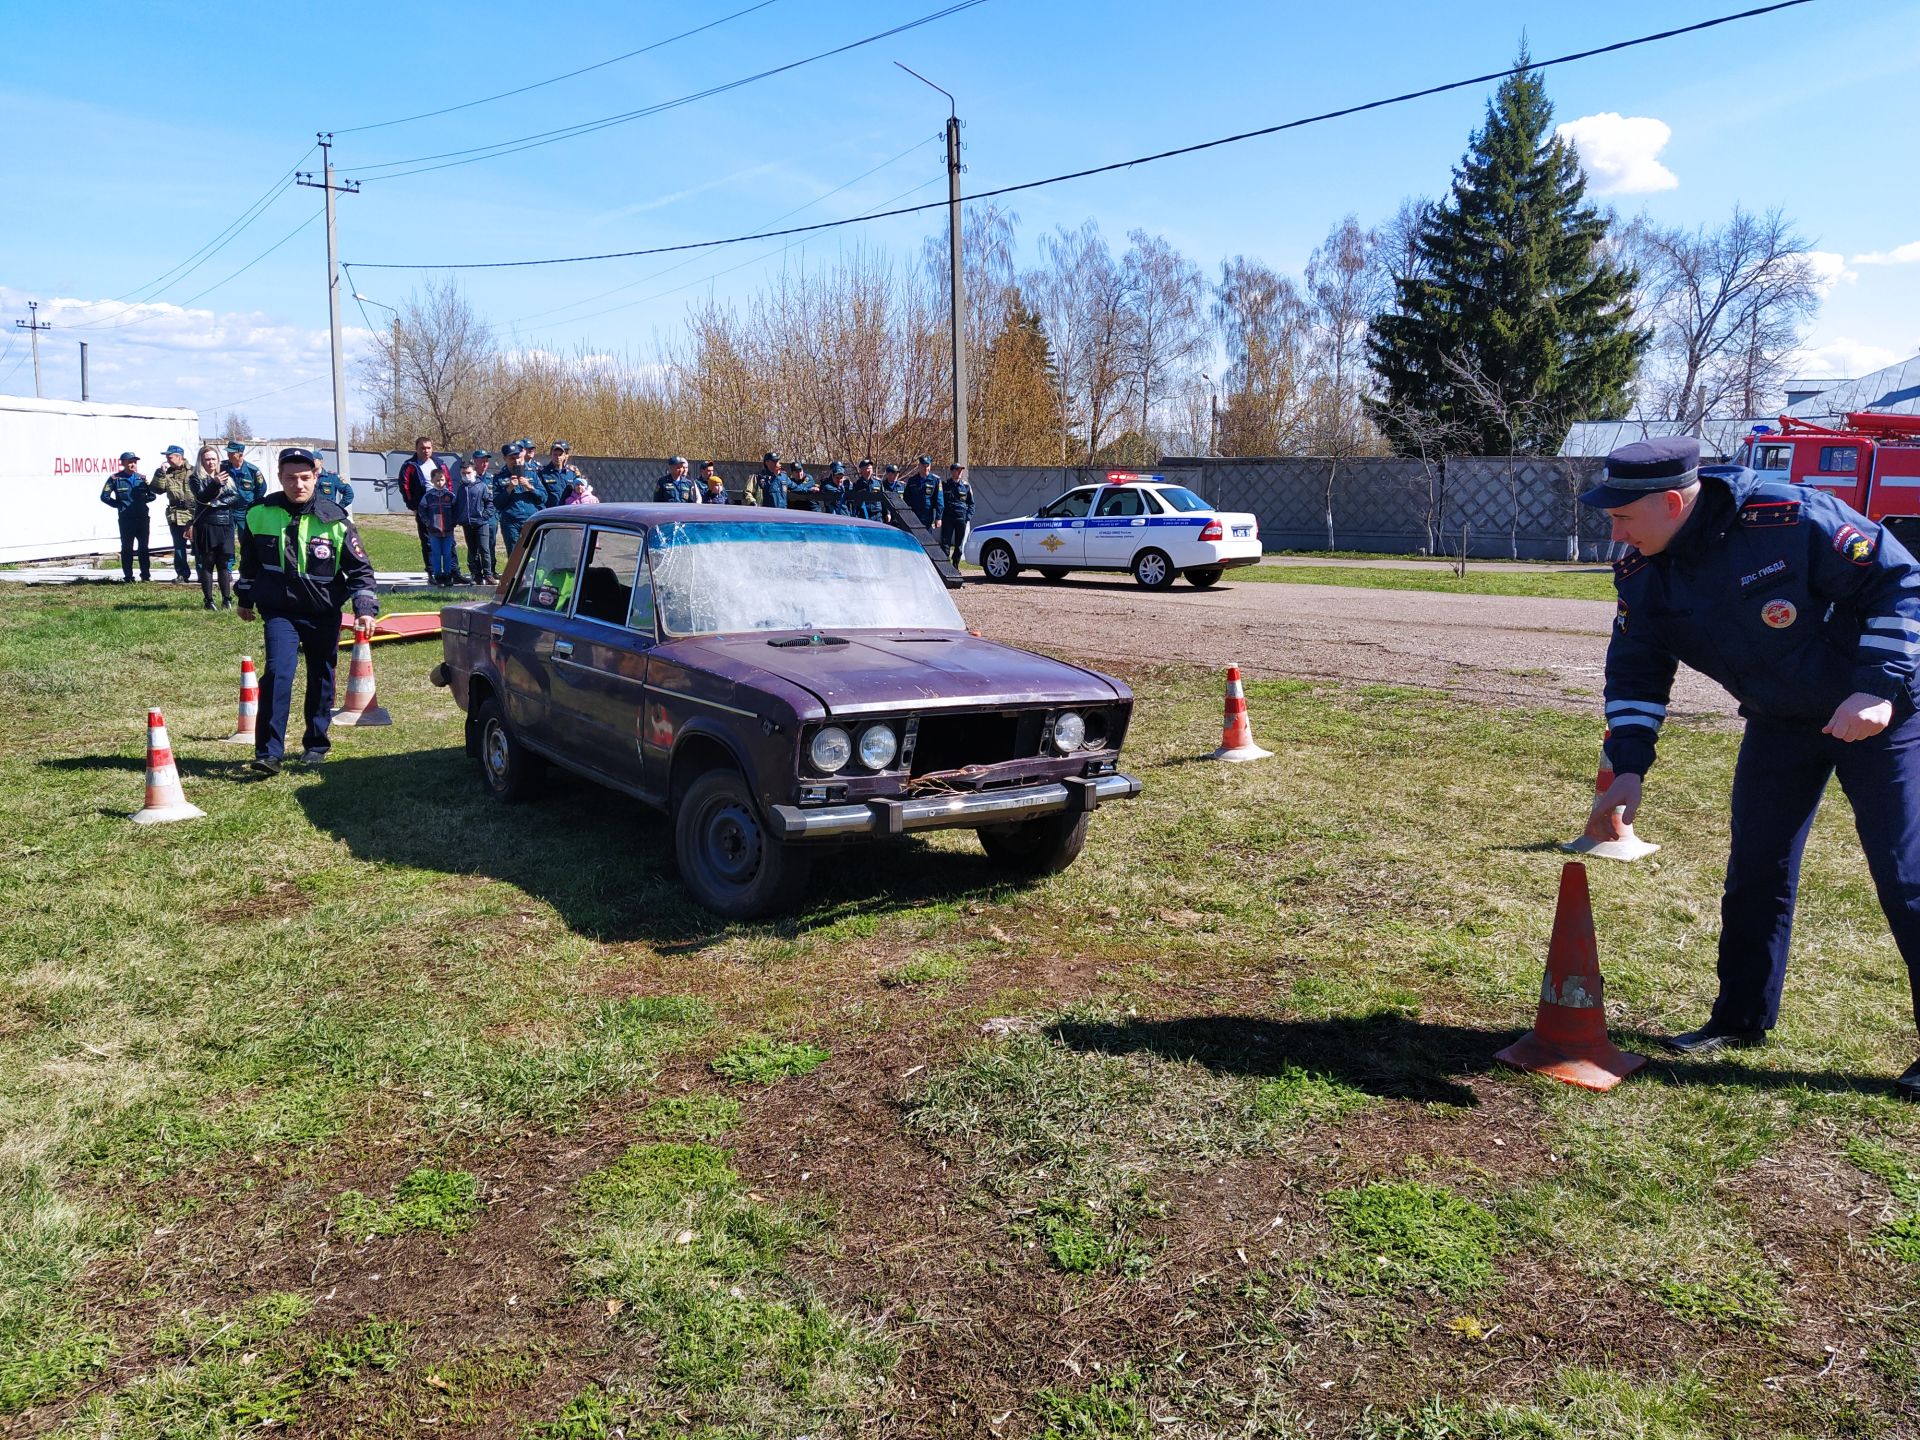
(1236, 734)
(1629, 846)
(243, 727)
(1569, 1036)
(165, 799)
(362, 707)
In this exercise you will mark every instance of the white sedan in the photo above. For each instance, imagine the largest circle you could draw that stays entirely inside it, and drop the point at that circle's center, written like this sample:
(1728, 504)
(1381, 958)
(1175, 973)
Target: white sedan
(1137, 523)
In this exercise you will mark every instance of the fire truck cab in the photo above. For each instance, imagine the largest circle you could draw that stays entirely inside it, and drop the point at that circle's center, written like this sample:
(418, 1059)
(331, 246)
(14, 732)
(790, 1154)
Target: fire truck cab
(1872, 462)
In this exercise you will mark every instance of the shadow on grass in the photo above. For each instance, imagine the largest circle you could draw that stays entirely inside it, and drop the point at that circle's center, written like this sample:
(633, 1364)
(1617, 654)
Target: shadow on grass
(225, 767)
(1391, 1056)
(604, 862)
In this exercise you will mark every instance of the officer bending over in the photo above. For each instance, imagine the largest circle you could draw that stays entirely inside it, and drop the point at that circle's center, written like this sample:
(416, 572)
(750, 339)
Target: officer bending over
(300, 561)
(1809, 614)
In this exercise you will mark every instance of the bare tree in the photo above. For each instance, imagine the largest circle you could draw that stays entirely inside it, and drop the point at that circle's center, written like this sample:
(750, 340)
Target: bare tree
(1264, 325)
(436, 364)
(1516, 413)
(238, 427)
(1080, 294)
(1727, 306)
(1164, 291)
(1345, 290)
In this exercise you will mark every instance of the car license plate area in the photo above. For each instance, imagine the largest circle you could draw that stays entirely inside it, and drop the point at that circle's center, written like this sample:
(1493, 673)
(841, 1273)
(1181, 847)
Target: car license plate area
(950, 742)
(1241, 532)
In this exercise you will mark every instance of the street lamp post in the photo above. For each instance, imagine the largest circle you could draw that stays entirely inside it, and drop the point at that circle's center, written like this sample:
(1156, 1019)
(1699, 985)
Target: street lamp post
(958, 280)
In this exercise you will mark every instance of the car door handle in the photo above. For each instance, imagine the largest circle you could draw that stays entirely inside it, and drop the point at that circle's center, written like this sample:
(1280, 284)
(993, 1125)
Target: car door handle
(563, 648)
(499, 632)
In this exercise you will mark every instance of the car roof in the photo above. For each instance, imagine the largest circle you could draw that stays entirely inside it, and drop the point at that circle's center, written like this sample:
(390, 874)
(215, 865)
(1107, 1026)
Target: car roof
(646, 514)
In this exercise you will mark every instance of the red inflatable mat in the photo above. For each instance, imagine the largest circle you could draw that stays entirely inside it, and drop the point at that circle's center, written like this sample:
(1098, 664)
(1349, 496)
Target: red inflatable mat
(398, 627)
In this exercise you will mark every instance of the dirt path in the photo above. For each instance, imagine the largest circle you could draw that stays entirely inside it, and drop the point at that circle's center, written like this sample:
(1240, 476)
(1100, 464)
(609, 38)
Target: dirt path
(1502, 649)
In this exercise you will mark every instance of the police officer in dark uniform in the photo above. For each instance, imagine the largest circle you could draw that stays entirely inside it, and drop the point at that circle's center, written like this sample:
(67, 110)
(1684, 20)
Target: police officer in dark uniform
(128, 495)
(923, 493)
(300, 561)
(676, 487)
(863, 493)
(1809, 614)
(956, 511)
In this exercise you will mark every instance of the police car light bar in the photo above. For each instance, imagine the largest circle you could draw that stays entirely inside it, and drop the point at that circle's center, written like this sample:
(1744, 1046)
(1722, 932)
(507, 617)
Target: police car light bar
(1127, 477)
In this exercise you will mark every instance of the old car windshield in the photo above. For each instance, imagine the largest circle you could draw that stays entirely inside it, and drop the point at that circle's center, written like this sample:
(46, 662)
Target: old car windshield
(1178, 497)
(732, 577)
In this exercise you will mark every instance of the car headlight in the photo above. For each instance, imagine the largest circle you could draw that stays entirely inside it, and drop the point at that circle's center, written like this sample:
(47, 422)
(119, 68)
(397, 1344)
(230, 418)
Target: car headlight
(878, 746)
(831, 749)
(1069, 732)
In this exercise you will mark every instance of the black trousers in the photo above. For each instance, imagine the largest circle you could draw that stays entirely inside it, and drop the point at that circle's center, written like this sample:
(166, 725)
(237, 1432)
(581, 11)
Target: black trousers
(133, 535)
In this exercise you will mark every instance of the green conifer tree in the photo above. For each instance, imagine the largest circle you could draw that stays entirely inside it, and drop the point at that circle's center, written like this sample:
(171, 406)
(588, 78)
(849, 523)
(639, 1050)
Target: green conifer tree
(1512, 321)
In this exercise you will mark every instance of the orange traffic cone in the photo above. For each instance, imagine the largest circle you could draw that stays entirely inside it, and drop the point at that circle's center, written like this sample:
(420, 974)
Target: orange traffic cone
(1569, 1036)
(1629, 846)
(1236, 734)
(362, 707)
(243, 727)
(165, 799)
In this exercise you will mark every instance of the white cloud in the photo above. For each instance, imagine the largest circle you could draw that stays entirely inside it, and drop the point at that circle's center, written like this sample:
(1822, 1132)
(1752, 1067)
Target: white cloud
(1617, 152)
(1843, 359)
(1830, 269)
(1908, 254)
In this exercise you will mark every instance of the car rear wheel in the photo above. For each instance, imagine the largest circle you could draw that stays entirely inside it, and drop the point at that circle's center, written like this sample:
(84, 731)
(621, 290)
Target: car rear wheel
(1152, 570)
(508, 771)
(1201, 579)
(1036, 847)
(728, 861)
(998, 561)
(1055, 573)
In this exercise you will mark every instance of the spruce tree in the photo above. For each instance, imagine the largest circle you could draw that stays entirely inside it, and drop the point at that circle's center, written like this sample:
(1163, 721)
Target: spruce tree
(1511, 322)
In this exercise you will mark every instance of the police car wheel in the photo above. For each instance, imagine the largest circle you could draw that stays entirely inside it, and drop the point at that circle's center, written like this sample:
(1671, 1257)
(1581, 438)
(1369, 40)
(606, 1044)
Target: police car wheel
(1052, 572)
(1152, 570)
(997, 560)
(1201, 579)
(507, 771)
(1036, 847)
(728, 861)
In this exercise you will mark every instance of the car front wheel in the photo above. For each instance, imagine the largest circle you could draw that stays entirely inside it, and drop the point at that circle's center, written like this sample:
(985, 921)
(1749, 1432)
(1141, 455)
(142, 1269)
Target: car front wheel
(1152, 570)
(728, 861)
(1201, 579)
(997, 560)
(1036, 847)
(508, 772)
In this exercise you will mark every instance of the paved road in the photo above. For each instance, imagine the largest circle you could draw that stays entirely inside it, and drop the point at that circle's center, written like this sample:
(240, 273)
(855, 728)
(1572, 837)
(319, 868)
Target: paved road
(1496, 648)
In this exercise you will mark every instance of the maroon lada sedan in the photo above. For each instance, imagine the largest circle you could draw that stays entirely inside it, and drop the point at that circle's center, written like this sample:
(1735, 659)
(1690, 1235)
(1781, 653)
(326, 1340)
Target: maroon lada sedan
(777, 682)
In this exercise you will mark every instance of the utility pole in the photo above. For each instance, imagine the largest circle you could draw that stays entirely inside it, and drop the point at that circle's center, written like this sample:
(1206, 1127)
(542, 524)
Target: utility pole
(83, 372)
(342, 456)
(33, 325)
(958, 279)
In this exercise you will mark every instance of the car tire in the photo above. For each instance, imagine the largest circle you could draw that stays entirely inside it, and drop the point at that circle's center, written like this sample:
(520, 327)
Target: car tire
(509, 772)
(1201, 579)
(1152, 570)
(998, 561)
(1036, 847)
(1054, 573)
(728, 860)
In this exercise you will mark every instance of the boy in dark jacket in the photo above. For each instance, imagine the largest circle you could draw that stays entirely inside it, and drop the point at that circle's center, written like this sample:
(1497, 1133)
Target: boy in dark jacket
(473, 512)
(437, 524)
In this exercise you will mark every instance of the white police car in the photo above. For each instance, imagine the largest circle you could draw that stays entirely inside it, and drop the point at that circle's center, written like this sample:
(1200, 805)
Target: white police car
(1137, 523)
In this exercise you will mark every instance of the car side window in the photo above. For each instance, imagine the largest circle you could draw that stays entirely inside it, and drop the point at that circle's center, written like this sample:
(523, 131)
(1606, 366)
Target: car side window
(607, 578)
(548, 575)
(1119, 502)
(1069, 506)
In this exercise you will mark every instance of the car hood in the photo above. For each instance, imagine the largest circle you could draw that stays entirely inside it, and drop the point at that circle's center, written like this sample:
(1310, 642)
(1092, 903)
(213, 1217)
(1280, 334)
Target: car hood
(893, 670)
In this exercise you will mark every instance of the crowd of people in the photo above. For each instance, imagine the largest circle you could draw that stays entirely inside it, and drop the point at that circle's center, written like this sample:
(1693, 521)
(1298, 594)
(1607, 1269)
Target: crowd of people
(207, 504)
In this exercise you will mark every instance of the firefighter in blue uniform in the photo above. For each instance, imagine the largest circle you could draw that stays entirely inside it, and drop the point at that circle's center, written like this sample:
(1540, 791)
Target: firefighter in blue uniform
(1809, 614)
(773, 481)
(863, 494)
(923, 493)
(956, 511)
(518, 494)
(893, 484)
(558, 473)
(248, 483)
(300, 561)
(332, 487)
(676, 487)
(833, 490)
(128, 495)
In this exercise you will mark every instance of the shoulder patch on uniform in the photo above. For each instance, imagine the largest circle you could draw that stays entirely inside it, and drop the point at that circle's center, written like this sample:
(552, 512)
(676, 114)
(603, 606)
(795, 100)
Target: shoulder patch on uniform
(1855, 544)
(1770, 512)
(1631, 563)
(354, 547)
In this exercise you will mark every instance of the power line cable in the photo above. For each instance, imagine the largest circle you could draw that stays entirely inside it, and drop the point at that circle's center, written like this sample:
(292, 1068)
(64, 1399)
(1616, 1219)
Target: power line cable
(249, 399)
(1300, 123)
(474, 155)
(155, 315)
(570, 75)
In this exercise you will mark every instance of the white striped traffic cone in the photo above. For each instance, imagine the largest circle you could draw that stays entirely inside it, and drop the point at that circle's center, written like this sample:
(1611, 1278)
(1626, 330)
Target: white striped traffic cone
(243, 727)
(1629, 846)
(165, 799)
(362, 707)
(1236, 734)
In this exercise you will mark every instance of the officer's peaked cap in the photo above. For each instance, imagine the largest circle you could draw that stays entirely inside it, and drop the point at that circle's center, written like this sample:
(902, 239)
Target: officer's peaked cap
(893, 469)
(677, 460)
(299, 454)
(836, 468)
(925, 460)
(1644, 468)
(234, 447)
(770, 456)
(480, 455)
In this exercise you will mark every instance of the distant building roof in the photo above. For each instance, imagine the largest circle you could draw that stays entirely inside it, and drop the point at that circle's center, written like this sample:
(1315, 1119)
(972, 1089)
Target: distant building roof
(1597, 438)
(1893, 391)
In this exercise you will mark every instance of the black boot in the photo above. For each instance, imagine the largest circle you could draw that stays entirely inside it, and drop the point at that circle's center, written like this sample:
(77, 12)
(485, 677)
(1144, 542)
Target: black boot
(1907, 1087)
(1712, 1037)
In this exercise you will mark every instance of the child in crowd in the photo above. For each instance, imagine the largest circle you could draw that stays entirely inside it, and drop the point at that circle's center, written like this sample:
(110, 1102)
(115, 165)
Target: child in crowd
(580, 492)
(437, 524)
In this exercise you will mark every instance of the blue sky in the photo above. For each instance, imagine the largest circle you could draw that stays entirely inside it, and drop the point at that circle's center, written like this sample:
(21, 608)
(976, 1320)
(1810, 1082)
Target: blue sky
(180, 117)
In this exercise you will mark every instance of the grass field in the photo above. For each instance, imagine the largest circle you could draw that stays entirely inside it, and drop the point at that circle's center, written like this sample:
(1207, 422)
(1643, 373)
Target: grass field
(365, 1108)
(1548, 584)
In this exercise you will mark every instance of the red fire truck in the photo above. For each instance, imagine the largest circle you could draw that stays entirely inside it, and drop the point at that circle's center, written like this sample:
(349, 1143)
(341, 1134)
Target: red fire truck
(1872, 462)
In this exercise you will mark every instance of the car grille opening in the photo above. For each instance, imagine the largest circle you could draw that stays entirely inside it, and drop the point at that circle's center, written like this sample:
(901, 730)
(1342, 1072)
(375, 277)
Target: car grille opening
(947, 742)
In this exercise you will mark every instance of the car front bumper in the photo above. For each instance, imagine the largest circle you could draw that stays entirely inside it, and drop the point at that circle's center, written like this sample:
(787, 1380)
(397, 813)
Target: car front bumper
(961, 810)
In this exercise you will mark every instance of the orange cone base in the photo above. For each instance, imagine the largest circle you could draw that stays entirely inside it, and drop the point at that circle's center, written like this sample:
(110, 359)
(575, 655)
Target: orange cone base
(161, 814)
(372, 715)
(1599, 1067)
(1241, 753)
(1628, 847)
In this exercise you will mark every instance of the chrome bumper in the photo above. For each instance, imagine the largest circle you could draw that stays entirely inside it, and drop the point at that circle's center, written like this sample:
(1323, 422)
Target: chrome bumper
(938, 812)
